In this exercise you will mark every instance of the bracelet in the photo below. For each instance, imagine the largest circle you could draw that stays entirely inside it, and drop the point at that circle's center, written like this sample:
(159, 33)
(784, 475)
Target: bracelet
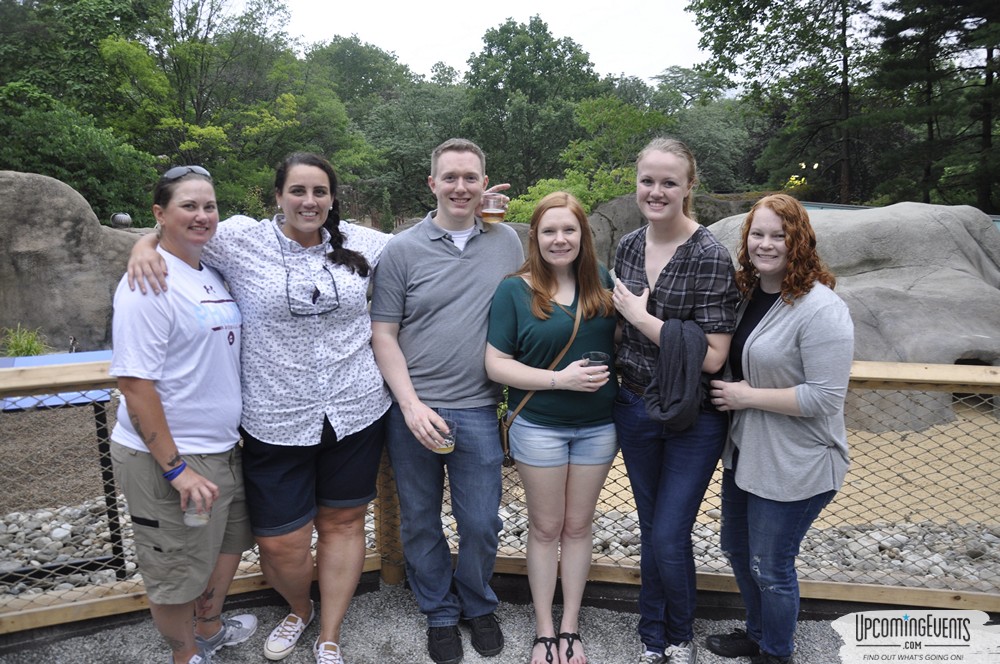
(552, 383)
(172, 474)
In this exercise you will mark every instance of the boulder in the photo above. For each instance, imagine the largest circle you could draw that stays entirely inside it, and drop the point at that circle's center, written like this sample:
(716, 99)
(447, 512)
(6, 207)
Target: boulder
(58, 265)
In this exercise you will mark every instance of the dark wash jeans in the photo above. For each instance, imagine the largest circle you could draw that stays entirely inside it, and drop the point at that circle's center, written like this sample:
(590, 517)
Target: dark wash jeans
(761, 538)
(669, 473)
(443, 594)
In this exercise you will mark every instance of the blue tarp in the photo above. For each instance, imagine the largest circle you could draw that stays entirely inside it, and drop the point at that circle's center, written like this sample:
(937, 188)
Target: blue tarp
(55, 400)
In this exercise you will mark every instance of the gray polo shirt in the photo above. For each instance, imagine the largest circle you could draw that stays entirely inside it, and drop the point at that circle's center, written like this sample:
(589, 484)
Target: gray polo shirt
(440, 297)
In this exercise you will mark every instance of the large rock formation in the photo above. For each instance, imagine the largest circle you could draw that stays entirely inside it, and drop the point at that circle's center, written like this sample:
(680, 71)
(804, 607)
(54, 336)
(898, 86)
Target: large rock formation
(58, 265)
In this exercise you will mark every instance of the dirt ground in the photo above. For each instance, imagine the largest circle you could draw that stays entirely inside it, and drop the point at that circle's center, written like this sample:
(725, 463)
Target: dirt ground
(51, 458)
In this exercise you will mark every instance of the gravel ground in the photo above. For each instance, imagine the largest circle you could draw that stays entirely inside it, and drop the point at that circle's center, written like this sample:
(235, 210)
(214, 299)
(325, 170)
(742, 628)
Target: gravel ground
(385, 627)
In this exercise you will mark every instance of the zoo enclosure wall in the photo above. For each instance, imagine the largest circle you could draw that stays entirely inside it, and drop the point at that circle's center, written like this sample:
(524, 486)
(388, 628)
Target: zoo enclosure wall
(917, 522)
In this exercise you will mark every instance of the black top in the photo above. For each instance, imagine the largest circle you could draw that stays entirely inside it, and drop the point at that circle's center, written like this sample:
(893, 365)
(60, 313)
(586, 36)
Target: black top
(760, 303)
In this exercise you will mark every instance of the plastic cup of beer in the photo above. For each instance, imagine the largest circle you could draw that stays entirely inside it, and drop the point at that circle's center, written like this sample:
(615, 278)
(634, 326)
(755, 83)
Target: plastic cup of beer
(494, 208)
(449, 437)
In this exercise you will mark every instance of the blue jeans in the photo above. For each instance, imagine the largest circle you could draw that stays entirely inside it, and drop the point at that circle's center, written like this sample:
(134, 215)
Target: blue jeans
(474, 472)
(669, 473)
(761, 538)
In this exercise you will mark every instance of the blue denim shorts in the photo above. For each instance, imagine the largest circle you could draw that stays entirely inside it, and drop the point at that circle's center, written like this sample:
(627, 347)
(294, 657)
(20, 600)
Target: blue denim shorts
(548, 447)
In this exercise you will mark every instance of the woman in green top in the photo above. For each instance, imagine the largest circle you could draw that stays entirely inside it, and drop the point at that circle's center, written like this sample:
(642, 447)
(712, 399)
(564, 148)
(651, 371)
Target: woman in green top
(564, 439)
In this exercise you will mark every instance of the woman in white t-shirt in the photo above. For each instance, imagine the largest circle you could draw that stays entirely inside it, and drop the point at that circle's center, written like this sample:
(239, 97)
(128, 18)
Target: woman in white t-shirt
(177, 357)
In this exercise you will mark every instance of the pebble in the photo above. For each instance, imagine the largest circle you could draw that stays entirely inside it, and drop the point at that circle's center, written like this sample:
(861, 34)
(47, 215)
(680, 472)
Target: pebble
(916, 554)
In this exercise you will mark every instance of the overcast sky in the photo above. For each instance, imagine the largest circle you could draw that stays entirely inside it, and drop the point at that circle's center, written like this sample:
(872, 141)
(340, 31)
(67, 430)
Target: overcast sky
(635, 37)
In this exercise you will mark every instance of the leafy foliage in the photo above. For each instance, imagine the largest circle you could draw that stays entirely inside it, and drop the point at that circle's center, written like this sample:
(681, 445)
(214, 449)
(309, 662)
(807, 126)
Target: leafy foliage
(867, 102)
(49, 138)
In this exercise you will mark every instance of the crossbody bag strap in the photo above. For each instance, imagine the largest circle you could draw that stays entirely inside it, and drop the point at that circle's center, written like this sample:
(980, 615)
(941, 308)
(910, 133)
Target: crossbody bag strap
(555, 362)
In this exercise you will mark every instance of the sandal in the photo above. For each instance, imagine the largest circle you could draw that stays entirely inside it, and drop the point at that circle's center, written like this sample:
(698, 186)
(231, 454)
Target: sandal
(571, 638)
(548, 642)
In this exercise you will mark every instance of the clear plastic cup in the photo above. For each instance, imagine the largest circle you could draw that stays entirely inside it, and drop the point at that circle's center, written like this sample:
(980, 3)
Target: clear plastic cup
(596, 357)
(195, 519)
(449, 437)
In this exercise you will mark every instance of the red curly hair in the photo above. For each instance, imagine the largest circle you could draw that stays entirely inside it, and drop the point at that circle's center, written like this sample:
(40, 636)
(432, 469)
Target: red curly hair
(594, 299)
(805, 267)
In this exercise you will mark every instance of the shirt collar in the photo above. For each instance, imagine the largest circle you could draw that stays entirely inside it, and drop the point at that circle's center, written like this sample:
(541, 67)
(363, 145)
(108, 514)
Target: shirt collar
(288, 243)
(435, 232)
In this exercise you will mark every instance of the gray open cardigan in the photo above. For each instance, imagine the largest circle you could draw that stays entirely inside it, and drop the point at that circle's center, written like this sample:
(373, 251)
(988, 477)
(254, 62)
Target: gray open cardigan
(808, 345)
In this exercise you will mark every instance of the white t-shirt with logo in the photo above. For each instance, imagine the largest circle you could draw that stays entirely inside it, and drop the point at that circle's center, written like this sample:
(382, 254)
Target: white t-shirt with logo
(186, 340)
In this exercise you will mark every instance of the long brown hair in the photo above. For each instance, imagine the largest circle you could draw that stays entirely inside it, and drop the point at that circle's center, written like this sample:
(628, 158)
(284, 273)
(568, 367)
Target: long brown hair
(804, 264)
(594, 299)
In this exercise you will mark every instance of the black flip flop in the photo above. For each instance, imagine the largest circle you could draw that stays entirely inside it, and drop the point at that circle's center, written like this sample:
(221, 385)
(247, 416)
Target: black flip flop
(548, 642)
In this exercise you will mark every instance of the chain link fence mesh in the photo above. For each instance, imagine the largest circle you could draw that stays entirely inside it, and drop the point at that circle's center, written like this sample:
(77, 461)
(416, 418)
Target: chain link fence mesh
(920, 507)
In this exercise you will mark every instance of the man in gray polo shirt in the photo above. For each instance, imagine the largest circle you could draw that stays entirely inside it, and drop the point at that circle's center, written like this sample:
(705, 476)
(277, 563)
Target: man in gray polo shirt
(430, 305)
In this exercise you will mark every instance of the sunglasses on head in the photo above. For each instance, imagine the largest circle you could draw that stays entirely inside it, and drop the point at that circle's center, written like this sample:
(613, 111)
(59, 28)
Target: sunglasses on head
(180, 171)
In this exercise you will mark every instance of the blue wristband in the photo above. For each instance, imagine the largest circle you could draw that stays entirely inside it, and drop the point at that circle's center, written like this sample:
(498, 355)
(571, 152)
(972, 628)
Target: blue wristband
(172, 474)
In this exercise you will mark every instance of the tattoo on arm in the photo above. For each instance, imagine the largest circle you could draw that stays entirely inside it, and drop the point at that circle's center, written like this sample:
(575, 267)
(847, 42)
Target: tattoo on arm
(174, 460)
(149, 440)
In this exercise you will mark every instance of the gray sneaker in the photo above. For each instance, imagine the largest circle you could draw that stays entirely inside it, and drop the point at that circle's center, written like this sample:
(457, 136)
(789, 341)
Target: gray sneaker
(649, 657)
(234, 631)
(682, 653)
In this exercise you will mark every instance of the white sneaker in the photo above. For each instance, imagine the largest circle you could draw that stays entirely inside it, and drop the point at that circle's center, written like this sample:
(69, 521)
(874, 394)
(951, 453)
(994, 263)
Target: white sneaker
(650, 657)
(283, 638)
(327, 652)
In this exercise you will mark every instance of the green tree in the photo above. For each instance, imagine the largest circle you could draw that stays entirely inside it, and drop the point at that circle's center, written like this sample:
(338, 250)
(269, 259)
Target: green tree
(934, 92)
(801, 54)
(52, 44)
(523, 89)
(917, 75)
(681, 87)
(404, 131)
(362, 75)
(614, 133)
(718, 133)
(45, 136)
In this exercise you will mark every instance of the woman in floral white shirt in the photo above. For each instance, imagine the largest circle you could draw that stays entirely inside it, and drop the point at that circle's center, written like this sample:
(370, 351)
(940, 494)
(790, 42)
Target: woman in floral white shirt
(313, 398)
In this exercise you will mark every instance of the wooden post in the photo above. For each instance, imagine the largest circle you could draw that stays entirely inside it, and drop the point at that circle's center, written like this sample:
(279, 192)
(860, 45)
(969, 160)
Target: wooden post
(387, 538)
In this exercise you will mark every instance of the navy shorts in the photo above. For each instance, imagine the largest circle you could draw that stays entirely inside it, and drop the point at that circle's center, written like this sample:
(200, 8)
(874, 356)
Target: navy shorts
(285, 484)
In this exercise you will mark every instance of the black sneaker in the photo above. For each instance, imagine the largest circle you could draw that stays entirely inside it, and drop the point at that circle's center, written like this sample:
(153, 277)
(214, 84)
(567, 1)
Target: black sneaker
(487, 638)
(734, 644)
(444, 644)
